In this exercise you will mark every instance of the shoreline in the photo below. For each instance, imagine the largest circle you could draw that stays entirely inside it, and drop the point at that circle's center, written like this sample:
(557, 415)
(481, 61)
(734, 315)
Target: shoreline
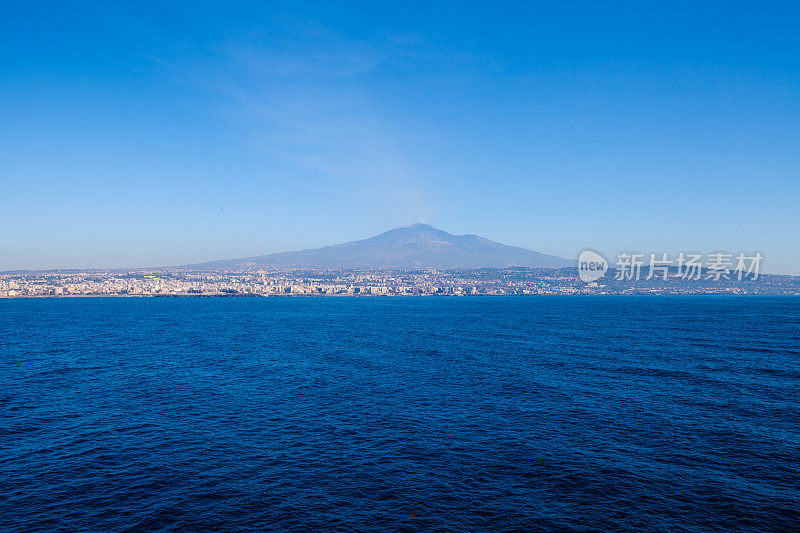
(68, 296)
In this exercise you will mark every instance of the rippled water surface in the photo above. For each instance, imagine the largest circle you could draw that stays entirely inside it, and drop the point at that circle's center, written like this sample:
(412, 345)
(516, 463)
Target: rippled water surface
(415, 414)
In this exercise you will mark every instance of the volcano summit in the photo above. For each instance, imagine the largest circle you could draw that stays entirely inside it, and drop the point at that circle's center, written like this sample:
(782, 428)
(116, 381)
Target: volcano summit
(417, 246)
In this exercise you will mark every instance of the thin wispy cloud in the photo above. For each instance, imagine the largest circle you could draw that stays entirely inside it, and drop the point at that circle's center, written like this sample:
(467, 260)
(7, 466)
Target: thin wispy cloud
(304, 98)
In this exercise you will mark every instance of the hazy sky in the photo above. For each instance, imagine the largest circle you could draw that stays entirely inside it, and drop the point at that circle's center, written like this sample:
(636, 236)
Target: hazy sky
(158, 134)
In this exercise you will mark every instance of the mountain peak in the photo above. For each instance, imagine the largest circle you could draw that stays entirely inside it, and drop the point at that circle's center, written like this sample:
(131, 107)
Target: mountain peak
(418, 227)
(417, 246)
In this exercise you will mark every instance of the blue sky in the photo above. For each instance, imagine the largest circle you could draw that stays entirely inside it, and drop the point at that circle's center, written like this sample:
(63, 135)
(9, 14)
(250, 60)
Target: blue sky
(166, 133)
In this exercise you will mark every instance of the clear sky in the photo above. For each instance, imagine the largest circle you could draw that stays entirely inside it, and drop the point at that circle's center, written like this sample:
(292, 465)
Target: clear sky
(167, 133)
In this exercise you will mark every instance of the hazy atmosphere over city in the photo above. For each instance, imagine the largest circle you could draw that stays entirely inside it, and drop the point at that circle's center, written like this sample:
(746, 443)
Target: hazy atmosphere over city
(152, 134)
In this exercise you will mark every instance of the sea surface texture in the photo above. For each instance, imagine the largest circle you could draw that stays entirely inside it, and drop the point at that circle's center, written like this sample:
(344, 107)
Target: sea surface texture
(400, 414)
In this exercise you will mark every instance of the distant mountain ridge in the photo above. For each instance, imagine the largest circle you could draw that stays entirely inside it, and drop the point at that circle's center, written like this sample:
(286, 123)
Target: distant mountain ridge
(417, 246)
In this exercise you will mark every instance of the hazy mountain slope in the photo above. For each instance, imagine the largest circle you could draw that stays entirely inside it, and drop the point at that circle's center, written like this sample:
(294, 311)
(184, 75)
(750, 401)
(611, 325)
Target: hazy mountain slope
(417, 246)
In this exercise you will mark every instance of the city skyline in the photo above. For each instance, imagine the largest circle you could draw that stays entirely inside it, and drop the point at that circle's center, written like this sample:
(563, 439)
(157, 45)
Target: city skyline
(137, 136)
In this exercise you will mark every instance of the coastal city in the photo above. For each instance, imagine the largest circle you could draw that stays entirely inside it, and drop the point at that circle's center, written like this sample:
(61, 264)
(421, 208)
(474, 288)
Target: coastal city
(341, 282)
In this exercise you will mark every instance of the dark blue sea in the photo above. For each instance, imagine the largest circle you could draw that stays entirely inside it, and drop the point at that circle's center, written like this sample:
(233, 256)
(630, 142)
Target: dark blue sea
(400, 414)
